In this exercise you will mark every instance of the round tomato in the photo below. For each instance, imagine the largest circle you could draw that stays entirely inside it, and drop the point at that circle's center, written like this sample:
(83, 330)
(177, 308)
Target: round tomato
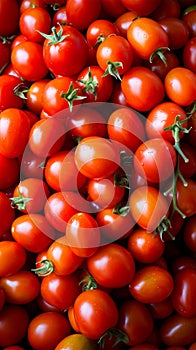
(77, 15)
(124, 21)
(177, 31)
(185, 195)
(34, 96)
(158, 65)
(142, 7)
(76, 342)
(8, 92)
(7, 213)
(12, 257)
(99, 30)
(189, 54)
(166, 8)
(190, 233)
(9, 16)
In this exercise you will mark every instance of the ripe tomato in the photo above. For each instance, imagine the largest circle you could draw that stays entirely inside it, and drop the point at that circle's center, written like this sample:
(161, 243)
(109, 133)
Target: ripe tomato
(186, 197)
(142, 7)
(177, 31)
(95, 312)
(188, 17)
(114, 55)
(34, 96)
(144, 246)
(76, 342)
(24, 58)
(151, 284)
(2, 298)
(31, 165)
(77, 15)
(136, 321)
(60, 291)
(14, 321)
(148, 207)
(147, 37)
(159, 67)
(8, 97)
(124, 21)
(112, 266)
(166, 8)
(189, 54)
(62, 49)
(113, 8)
(25, 4)
(12, 257)
(47, 329)
(96, 157)
(161, 310)
(189, 234)
(99, 30)
(180, 86)
(7, 213)
(149, 92)
(5, 55)
(9, 16)
(33, 232)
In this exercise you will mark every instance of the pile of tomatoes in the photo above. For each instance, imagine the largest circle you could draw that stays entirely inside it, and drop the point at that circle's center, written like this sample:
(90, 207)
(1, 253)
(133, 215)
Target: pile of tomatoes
(97, 174)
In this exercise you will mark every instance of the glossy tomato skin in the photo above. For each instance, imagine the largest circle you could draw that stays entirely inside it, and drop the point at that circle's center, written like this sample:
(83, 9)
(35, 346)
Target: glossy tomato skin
(14, 321)
(142, 7)
(124, 21)
(76, 342)
(189, 55)
(12, 257)
(47, 329)
(149, 93)
(31, 165)
(159, 67)
(183, 295)
(112, 266)
(34, 96)
(166, 8)
(151, 284)
(95, 312)
(190, 233)
(7, 213)
(100, 29)
(177, 31)
(9, 16)
(188, 17)
(61, 58)
(186, 197)
(8, 99)
(136, 321)
(77, 15)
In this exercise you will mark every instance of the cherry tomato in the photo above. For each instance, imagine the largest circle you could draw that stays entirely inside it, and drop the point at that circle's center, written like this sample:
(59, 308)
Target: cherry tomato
(31, 165)
(161, 310)
(186, 197)
(99, 30)
(77, 15)
(60, 16)
(113, 8)
(159, 67)
(190, 233)
(166, 8)
(7, 213)
(8, 97)
(189, 17)
(124, 21)
(34, 96)
(5, 55)
(172, 26)
(151, 284)
(189, 54)
(12, 257)
(25, 4)
(47, 329)
(142, 7)
(76, 342)
(9, 16)
(95, 312)
(10, 170)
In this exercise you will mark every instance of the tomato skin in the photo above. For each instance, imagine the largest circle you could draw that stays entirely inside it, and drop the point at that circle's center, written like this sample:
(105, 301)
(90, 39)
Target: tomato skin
(180, 86)
(31, 165)
(100, 28)
(189, 55)
(12, 258)
(124, 21)
(110, 261)
(34, 96)
(60, 291)
(76, 342)
(62, 58)
(95, 312)
(47, 329)
(113, 8)
(189, 234)
(24, 58)
(76, 12)
(167, 8)
(14, 321)
(189, 18)
(146, 35)
(151, 284)
(183, 295)
(186, 197)
(148, 206)
(149, 92)
(178, 330)
(9, 16)
(7, 213)
(136, 321)
(161, 310)
(158, 66)
(177, 31)
(8, 99)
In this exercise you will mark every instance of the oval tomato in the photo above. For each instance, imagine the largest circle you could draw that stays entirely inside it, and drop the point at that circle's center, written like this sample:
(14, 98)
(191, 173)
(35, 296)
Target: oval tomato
(142, 7)
(76, 342)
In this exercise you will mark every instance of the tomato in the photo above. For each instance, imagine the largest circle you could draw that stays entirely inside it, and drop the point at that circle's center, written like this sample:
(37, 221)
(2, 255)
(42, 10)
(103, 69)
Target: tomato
(182, 262)
(159, 67)
(148, 160)
(95, 86)
(147, 37)
(177, 330)
(12, 257)
(180, 86)
(172, 26)
(136, 321)
(9, 16)
(163, 116)
(60, 291)
(183, 295)
(14, 321)
(96, 157)
(30, 195)
(142, 7)
(2, 298)
(46, 137)
(186, 197)
(47, 329)
(187, 169)
(113, 8)
(161, 310)
(151, 284)
(24, 58)
(149, 92)
(112, 266)
(95, 312)
(77, 15)
(34, 96)
(189, 54)
(31, 165)
(114, 55)
(10, 170)
(148, 207)
(22, 287)
(25, 4)
(99, 30)
(189, 234)
(5, 55)
(117, 95)
(8, 97)
(76, 342)
(166, 8)
(126, 127)
(188, 17)
(144, 246)
(33, 232)
(82, 234)
(124, 21)
(7, 213)
(62, 49)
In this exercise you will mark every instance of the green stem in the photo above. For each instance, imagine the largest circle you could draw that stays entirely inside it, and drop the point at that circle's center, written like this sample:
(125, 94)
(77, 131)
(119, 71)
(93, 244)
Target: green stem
(112, 69)
(45, 269)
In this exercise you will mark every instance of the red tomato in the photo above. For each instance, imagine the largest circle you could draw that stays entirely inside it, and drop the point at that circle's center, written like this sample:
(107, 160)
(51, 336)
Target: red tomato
(190, 233)
(34, 96)
(159, 67)
(151, 284)
(77, 15)
(47, 329)
(14, 321)
(161, 310)
(62, 49)
(112, 266)
(189, 54)
(33, 232)
(136, 321)
(76, 342)
(166, 8)
(142, 7)
(31, 165)
(60, 291)
(2, 298)
(7, 213)
(189, 17)
(24, 58)
(96, 157)
(9, 16)
(25, 4)
(12, 257)
(180, 86)
(95, 312)
(99, 30)
(177, 31)
(113, 8)
(149, 92)
(5, 55)
(124, 21)
(186, 197)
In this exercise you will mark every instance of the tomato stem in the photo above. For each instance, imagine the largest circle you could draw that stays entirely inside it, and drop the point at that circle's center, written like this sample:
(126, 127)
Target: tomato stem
(88, 282)
(20, 90)
(45, 269)
(19, 202)
(116, 333)
(121, 181)
(71, 95)
(55, 37)
(89, 84)
(122, 211)
(159, 52)
(163, 227)
(112, 69)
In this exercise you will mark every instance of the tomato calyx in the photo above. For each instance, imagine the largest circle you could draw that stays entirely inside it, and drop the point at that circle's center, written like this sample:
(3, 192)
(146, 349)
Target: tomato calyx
(45, 269)
(71, 95)
(55, 37)
(159, 52)
(19, 202)
(121, 210)
(20, 90)
(88, 282)
(189, 9)
(121, 181)
(163, 227)
(89, 84)
(112, 69)
(113, 333)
